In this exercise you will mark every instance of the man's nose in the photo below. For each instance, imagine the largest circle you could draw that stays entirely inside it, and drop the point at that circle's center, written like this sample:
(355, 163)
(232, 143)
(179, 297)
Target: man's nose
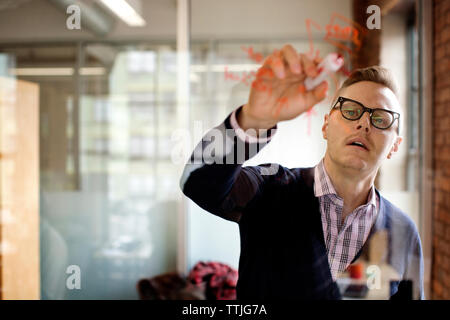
(364, 122)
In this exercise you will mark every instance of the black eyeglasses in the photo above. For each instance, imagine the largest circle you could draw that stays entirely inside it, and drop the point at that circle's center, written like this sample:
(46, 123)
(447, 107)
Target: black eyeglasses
(354, 110)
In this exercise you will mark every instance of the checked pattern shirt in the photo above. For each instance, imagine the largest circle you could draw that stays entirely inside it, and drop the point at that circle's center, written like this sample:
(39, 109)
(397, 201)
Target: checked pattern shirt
(343, 239)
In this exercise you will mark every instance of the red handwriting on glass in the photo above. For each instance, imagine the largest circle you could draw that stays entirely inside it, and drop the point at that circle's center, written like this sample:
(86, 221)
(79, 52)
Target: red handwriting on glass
(310, 40)
(340, 31)
(255, 56)
(335, 34)
(245, 78)
(259, 85)
(338, 35)
(309, 115)
(231, 76)
(252, 78)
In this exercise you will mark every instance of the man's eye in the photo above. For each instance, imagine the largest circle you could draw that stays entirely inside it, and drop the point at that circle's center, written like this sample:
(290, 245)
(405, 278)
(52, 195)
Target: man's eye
(378, 120)
(351, 112)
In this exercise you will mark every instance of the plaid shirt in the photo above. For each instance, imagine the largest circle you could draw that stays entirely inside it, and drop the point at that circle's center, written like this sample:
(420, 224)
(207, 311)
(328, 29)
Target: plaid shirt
(343, 239)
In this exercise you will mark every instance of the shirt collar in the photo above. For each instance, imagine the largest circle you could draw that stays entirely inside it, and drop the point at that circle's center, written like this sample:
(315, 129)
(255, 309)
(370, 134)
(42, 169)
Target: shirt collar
(323, 185)
(322, 182)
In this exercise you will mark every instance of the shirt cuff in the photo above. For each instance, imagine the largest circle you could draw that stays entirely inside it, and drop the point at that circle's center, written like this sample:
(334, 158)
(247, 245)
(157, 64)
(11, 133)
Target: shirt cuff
(246, 136)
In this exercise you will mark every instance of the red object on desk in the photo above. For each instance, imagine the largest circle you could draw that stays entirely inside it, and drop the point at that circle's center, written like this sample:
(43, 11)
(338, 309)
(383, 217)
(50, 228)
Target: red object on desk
(356, 270)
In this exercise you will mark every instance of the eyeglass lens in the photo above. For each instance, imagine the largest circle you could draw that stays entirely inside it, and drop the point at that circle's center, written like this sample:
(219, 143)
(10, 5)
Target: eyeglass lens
(353, 111)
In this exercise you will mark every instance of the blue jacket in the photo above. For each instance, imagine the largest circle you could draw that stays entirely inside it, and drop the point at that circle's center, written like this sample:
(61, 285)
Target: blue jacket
(283, 253)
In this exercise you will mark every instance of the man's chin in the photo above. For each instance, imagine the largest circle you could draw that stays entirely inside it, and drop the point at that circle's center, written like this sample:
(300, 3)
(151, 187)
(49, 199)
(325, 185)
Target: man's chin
(350, 162)
(355, 163)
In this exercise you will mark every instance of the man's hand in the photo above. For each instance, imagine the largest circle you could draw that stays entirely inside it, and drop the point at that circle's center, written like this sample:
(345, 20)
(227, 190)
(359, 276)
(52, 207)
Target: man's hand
(278, 92)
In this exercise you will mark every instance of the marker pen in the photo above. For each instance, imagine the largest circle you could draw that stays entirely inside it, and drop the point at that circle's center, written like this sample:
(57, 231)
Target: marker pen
(331, 63)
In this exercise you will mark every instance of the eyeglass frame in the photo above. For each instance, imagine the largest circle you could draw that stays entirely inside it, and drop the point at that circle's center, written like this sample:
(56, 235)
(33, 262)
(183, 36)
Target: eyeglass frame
(341, 99)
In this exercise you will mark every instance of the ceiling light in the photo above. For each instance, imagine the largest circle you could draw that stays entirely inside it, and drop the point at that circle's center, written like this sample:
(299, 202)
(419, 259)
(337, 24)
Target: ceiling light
(92, 71)
(125, 12)
(222, 67)
(34, 72)
(42, 71)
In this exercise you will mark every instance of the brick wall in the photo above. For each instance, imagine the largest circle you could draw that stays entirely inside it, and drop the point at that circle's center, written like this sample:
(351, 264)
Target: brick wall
(440, 274)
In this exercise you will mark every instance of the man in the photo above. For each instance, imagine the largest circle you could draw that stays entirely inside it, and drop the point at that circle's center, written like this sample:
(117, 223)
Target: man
(301, 227)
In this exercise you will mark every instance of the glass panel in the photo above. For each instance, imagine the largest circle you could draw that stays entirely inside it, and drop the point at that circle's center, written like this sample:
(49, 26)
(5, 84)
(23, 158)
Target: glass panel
(224, 66)
(108, 116)
(108, 189)
(382, 119)
(221, 73)
(124, 134)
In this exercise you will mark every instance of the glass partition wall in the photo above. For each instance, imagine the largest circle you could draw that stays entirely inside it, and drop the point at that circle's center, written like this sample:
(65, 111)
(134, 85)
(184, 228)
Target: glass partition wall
(109, 192)
(108, 186)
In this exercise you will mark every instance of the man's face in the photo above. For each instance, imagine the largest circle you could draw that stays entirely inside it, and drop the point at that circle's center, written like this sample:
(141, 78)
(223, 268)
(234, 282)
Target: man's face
(340, 132)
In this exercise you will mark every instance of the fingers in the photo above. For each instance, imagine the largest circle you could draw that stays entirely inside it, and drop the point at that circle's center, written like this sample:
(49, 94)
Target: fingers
(284, 61)
(321, 90)
(316, 95)
(317, 60)
(277, 64)
(288, 64)
(292, 58)
(308, 66)
(265, 72)
(287, 60)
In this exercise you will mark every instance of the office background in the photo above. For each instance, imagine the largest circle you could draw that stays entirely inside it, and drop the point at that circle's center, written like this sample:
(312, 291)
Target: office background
(115, 100)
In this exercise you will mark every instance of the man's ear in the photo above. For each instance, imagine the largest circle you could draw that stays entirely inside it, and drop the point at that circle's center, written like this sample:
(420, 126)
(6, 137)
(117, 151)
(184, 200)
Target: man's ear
(325, 126)
(395, 146)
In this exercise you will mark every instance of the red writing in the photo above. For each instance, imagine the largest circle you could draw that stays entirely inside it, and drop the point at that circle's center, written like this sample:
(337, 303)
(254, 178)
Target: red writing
(340, 32)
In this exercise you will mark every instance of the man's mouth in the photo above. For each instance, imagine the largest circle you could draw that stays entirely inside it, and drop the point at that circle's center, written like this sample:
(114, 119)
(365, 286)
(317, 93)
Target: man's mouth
(359, 144)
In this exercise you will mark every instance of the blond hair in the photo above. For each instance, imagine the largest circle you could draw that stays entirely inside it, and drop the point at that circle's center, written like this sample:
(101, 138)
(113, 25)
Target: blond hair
(375, 74)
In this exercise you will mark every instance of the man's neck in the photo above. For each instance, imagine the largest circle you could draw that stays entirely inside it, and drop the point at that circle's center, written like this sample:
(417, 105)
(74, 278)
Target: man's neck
(351, 185)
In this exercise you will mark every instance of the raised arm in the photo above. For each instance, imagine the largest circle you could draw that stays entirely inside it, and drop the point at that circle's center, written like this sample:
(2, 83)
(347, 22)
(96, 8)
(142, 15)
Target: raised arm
(214, 177)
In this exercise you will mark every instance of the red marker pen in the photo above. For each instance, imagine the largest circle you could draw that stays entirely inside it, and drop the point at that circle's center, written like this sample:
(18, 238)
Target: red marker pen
(331, 63)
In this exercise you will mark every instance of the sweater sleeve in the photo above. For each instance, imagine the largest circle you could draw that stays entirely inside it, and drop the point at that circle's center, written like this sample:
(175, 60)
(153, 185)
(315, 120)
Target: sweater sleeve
(415, 267)
(408, 259)
(214, 177)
